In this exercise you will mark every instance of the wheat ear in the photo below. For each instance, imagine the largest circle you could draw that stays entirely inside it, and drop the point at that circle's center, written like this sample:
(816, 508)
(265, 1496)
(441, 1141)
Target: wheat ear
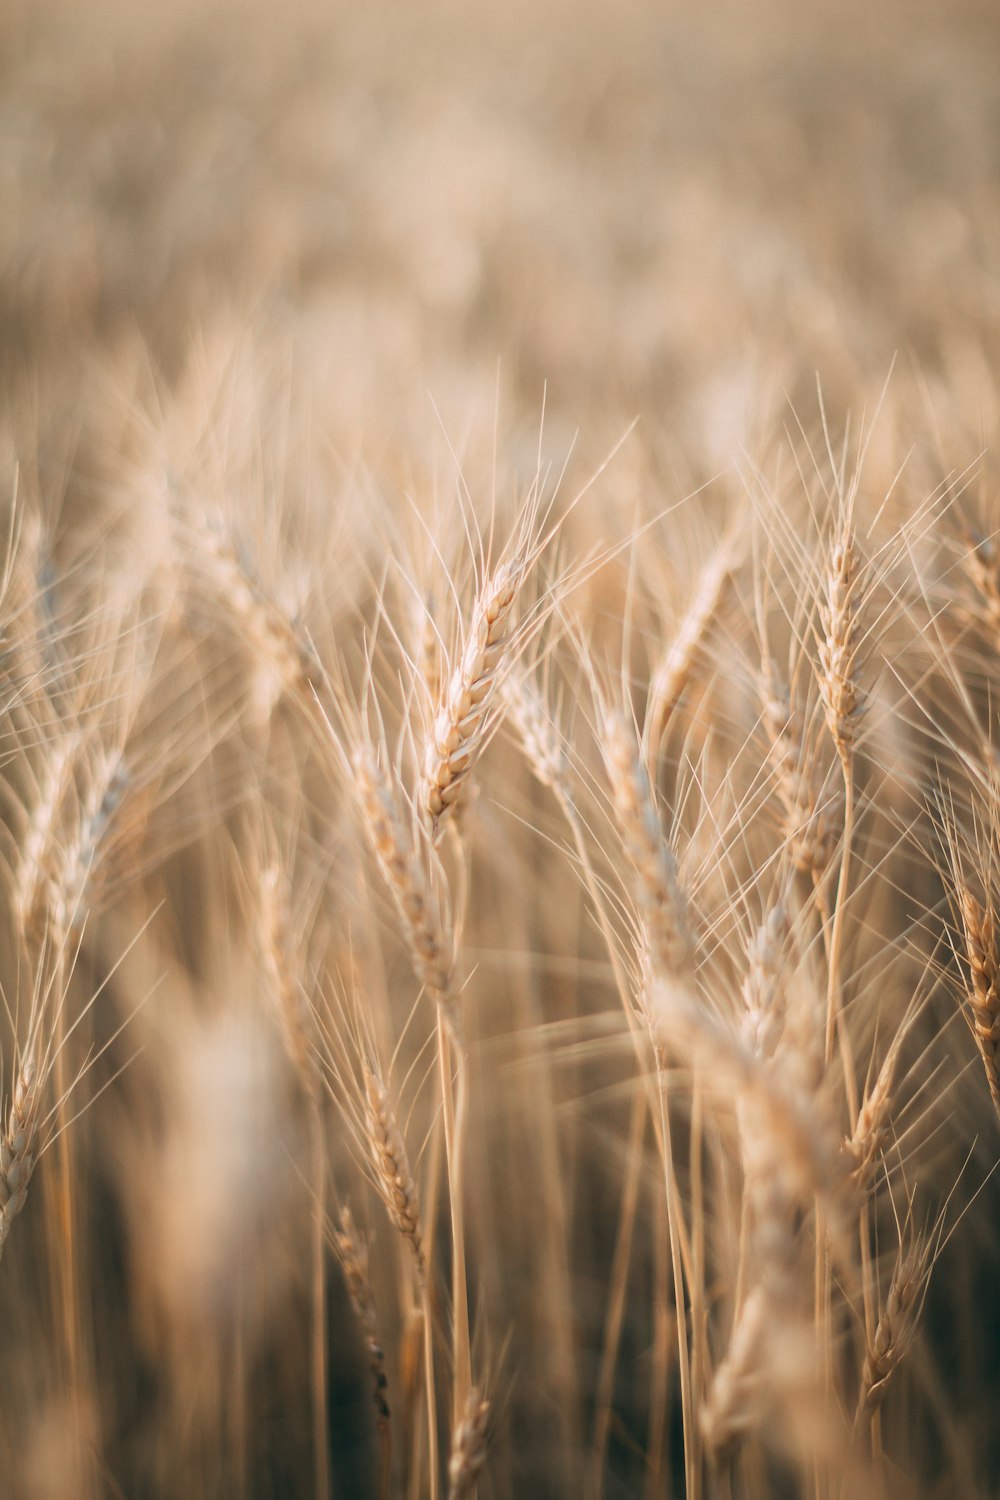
(763, 1000)
(669, 952)
(868, 1137)
(287, 664)
(983, 957)
(897, 1324)
(352, 1253)
(812, 817)
(468, 1446)
(659, 897)
(409, 868)
(980, 563)
(281, 971)
(674, 670)
(393, 1176)
(540, 740)
(843, 697)
(468, 709)
(18, 1146)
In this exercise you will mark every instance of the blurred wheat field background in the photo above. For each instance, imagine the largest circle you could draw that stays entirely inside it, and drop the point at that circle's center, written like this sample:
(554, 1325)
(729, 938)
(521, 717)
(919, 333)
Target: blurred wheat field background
(499, 624)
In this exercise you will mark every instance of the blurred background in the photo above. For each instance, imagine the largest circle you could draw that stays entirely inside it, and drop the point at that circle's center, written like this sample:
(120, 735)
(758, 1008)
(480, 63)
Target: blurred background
(664, 210)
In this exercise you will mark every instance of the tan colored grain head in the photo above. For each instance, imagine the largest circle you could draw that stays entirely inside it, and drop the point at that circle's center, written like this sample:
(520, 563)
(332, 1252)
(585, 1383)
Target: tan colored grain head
(812, 813)
(467, 711)
(393, 1176)
(352, 1253)
(763, 1015)
(677, 665)
(839, 645)
(659, 897)
(282, 970)
(540, 739)
(19, 1145)
(412, 875)
(898, 1321)
(983, 958)
(468, 1446)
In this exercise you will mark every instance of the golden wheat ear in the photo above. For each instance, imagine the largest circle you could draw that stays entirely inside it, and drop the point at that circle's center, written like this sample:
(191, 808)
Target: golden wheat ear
(468, 1446)
(351, 1251)
(19, 1145)
(973, 868)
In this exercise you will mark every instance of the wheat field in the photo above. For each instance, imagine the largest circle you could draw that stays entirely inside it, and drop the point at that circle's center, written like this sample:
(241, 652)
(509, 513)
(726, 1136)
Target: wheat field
(500, 792)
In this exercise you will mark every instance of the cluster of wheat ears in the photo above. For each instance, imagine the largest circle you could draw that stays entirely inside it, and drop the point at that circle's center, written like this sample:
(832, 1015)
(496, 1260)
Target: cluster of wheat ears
(500, 979)
(633, 938)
